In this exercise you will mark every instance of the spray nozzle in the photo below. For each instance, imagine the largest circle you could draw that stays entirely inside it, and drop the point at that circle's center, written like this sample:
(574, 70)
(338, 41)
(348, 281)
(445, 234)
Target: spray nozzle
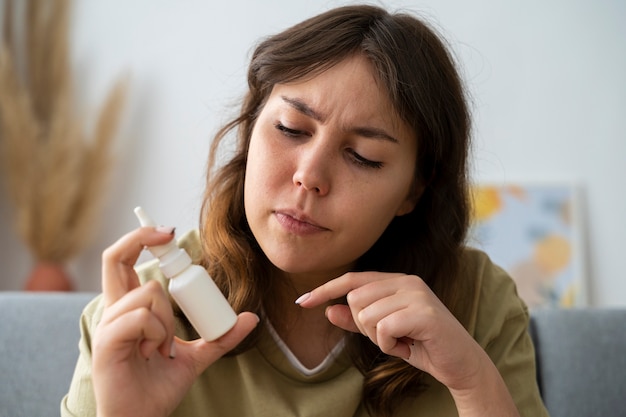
(172, 259)
(143, 217)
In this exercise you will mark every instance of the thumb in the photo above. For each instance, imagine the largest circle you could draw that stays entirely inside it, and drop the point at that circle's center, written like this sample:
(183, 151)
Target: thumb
(203, 353)
(341, 316)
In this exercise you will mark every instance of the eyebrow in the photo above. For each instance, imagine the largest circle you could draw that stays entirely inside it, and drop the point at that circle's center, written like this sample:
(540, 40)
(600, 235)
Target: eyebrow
(304, 108)
(366, 132)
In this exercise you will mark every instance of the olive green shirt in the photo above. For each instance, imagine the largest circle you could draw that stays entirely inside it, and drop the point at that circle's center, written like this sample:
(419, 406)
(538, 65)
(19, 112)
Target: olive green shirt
(263, 382)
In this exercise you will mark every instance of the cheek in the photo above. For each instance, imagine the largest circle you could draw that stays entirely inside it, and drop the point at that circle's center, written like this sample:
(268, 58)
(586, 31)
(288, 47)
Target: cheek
(377, 218)
(377, 213)
(264, 172)
(252, 178)
(369, 215)
(263, 164)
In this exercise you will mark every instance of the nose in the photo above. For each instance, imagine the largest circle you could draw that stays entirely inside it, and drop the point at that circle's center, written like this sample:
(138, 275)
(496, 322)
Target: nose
(312, 172)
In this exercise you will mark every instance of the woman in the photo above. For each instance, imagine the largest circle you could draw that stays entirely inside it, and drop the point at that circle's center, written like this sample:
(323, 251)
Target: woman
(348, 195)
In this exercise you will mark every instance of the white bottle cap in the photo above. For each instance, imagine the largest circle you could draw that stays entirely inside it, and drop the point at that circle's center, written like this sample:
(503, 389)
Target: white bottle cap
(172, 259)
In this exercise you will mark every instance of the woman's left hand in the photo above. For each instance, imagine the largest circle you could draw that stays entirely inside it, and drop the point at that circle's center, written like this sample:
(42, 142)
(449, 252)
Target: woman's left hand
(401, 315)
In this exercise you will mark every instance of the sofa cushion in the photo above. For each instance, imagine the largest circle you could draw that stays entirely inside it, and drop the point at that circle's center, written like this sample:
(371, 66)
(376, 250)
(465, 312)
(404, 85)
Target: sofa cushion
(39, 335)
(581, 359)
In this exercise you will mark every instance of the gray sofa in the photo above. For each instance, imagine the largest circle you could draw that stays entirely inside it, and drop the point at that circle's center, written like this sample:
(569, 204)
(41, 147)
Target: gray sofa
(581, 356)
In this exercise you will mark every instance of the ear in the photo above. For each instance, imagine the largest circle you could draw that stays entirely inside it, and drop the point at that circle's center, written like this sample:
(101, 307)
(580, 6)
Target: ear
(411, 200)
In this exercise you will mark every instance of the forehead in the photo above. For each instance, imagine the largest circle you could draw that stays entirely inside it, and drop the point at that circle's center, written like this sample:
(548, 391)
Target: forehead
(348, 91)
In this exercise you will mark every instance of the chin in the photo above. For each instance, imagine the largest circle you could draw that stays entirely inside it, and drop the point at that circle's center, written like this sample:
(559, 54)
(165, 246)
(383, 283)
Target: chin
(293, 267)
(310, 267)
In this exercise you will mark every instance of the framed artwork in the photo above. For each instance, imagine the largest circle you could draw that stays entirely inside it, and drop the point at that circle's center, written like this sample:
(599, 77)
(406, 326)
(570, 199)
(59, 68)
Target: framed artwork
(534, 232)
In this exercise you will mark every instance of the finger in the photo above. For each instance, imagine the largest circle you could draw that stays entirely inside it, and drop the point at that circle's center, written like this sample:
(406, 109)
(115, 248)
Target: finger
(340, 287)
(118, 260)
(137, 328)
(393, 285)
(396, 332)
(154, 338)
(204, 353)
(341, 316)
(373, 301)
(371, 314)
(151, 297)
(401, 348)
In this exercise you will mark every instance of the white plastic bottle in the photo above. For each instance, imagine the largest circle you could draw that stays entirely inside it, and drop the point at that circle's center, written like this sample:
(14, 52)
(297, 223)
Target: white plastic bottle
(192, 288)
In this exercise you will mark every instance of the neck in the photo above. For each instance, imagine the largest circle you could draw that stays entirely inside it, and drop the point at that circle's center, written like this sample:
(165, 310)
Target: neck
(306, 332)
(303, 282)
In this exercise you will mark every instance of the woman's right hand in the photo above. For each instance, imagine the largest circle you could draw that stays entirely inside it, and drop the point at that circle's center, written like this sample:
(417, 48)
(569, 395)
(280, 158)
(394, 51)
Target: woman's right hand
(139, 367)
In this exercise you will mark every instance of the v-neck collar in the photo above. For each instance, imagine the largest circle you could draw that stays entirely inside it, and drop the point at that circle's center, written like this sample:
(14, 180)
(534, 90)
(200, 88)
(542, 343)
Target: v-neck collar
(278, 354)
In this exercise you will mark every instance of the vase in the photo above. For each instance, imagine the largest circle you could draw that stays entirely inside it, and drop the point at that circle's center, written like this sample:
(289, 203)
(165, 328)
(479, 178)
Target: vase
(49, 276)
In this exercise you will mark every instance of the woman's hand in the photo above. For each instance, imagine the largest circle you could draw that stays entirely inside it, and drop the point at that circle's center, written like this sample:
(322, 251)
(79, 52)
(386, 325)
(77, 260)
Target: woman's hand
(139, 367)
(401, 315)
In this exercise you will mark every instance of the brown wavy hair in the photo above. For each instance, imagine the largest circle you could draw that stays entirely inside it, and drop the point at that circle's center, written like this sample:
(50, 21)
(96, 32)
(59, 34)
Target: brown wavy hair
(413, 62)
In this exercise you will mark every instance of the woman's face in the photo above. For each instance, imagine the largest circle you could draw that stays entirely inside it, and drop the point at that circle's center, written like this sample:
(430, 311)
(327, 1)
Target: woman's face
(329, 166)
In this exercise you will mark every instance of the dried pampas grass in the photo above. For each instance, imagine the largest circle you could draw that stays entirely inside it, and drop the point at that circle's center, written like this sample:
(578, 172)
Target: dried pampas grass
(54, 173)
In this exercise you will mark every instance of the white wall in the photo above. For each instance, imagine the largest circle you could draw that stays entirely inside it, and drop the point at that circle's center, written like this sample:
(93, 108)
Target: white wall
(546, 79)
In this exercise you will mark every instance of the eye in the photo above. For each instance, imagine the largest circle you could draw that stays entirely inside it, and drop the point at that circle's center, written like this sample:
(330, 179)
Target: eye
(292, 133)
(364, 162)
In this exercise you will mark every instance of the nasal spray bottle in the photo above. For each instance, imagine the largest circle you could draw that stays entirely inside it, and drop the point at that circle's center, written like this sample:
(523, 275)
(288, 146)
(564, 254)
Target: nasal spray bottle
(192, 288)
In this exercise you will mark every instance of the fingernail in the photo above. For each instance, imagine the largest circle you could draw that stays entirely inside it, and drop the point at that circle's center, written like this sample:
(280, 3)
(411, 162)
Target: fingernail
(173, 349)
(303, 298)
(165, 229)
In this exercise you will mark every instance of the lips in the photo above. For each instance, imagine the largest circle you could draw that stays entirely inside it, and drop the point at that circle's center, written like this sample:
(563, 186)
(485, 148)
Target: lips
(298, 223)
